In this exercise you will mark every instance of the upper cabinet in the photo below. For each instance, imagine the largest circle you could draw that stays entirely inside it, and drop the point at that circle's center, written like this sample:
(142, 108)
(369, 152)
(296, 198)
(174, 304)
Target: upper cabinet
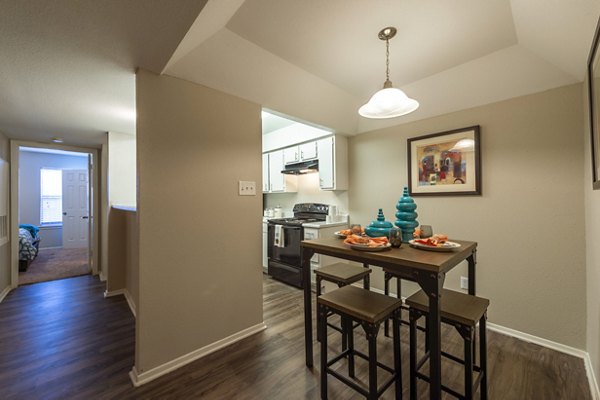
(333, 163)
(302, 152)
(265, 173)
(273, 180)
(332, 153)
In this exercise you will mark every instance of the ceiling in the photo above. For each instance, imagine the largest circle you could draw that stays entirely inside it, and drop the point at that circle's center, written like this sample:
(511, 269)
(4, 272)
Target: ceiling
(68, 68)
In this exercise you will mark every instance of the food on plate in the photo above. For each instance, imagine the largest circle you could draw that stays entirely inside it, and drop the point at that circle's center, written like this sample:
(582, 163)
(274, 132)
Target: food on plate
(436, 240)
(366, 241)
(348, 232)
(417, 233)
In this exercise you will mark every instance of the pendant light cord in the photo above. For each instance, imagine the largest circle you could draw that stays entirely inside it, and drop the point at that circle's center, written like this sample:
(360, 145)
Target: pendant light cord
(387, 59)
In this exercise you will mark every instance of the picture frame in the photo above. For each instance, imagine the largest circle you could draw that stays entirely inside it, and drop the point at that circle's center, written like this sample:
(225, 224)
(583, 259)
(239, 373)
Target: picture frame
(593, 75)
(445, 163)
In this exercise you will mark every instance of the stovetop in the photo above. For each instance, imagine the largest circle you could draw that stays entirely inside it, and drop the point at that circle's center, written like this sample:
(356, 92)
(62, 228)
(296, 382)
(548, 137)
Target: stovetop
(292, 221)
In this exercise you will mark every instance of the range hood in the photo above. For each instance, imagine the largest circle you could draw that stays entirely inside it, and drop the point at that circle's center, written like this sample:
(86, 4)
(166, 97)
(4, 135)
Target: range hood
(305, 167)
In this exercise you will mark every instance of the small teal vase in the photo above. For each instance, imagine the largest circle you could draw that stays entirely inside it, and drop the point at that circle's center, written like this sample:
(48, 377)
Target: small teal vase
(406, 216)
(378, 228)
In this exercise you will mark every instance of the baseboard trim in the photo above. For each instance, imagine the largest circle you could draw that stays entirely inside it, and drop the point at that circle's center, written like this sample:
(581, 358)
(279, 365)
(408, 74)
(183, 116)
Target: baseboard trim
(5, 292)
(589, 369)
(127, 295)
(140, 379)
(113, 293)
(130, 302)
(537, 340)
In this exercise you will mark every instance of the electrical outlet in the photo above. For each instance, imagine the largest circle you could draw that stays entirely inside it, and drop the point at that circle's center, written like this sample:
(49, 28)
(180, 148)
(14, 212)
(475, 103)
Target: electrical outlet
(247, 188)
(464, 282)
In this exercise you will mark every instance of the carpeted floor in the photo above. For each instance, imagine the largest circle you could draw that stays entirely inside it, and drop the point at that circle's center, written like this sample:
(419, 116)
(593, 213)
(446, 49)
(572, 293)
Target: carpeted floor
(51, 264)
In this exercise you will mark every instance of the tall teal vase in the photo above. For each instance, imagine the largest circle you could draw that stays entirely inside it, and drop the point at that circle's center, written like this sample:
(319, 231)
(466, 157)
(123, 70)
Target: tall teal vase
(407, 217)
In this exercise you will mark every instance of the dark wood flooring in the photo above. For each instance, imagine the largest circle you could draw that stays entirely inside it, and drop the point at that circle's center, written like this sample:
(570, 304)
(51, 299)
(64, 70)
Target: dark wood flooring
(63, 340)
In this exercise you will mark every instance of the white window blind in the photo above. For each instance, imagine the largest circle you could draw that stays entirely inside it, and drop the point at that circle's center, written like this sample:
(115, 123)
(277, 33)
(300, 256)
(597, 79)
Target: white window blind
(51, 196)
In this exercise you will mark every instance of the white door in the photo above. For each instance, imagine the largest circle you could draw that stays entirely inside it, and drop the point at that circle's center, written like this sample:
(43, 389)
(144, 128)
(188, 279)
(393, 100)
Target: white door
(75, 208)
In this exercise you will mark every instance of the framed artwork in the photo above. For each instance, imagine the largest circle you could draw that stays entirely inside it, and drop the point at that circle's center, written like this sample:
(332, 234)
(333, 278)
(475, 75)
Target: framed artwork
(593, 72)
(445, 163)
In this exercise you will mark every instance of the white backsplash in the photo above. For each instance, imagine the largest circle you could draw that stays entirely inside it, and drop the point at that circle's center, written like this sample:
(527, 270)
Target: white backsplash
(308, 192)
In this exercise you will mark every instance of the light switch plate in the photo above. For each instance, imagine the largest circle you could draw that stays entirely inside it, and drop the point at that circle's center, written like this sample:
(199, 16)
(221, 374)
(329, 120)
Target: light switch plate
(464, 282)
(247, 188)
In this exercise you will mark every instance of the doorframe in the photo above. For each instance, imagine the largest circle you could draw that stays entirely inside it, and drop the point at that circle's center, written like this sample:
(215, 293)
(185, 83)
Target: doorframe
(94, 199)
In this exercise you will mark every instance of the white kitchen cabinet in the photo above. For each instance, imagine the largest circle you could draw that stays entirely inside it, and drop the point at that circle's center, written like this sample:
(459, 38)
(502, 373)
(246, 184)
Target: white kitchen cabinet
(333, 163)
(320, 260)
(300, 153)
(265, 173)
(308, 151)
(273, 180)
(276, 178)
(291, 155)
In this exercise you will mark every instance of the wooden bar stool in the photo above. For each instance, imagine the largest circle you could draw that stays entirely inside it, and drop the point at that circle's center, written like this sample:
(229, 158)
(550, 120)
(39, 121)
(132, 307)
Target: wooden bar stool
(463, 311)
(369, 309)
(341, 274)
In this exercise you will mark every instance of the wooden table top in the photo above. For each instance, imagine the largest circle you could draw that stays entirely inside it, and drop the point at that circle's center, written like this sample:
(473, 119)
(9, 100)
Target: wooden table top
(405, 255)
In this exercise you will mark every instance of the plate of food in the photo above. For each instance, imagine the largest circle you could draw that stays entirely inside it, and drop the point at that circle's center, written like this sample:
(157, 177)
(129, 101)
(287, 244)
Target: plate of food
(365, 243)
(354, 230)
(367, 247)
(437, 242)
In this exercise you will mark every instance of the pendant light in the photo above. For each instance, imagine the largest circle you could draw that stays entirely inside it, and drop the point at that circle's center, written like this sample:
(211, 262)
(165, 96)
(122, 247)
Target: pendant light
(389, 102)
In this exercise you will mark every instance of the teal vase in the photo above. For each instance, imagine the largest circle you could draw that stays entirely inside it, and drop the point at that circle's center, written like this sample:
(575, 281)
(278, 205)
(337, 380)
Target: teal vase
(378, 228)
(406, 216)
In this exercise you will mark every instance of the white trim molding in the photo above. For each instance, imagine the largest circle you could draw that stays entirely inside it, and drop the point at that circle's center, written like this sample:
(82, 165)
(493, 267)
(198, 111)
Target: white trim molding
(102, 277)
(130, 302)
(5, 292)
(537, 340)
(140, 379)
(127, 295)
(589, 370)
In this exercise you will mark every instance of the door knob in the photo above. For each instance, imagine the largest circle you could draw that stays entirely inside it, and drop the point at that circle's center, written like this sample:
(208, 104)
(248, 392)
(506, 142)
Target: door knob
(64, 213)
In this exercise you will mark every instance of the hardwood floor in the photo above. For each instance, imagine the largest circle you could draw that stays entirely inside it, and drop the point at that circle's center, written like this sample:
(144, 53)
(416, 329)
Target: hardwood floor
(63, 340)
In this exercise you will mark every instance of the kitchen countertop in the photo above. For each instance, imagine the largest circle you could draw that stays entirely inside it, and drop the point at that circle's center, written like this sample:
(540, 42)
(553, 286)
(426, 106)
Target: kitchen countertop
(324, 224)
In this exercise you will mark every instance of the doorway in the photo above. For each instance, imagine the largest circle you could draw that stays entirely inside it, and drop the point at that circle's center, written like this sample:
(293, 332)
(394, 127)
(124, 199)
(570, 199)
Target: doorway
(53, 194)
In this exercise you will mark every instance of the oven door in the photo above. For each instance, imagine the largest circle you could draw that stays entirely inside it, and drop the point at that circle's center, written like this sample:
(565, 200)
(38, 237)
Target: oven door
(290, 253)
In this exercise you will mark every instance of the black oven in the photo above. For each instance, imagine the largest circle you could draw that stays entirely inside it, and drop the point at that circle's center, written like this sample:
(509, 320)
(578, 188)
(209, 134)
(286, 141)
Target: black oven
(285, 257)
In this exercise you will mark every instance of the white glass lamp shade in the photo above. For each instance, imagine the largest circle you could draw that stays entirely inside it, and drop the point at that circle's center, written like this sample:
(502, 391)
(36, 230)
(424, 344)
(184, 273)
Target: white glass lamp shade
(388, 103)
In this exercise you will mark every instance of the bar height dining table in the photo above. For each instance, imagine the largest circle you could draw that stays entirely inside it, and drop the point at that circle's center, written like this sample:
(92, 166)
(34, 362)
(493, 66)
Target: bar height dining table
(427, 268)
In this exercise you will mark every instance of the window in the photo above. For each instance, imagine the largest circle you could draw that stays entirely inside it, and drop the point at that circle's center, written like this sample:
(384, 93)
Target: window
(51, 196)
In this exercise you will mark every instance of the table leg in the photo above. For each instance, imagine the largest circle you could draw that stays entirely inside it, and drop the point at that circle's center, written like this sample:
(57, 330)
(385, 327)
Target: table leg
(432, 284)
(308, 333)
(472, 260)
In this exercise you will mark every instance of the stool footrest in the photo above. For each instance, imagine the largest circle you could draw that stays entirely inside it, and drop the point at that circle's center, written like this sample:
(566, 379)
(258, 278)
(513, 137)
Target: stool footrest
(444, 387)
(382, 388)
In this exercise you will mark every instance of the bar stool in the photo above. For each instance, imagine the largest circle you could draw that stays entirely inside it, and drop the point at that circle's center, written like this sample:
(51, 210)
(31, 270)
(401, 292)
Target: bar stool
(342, 275)
(369, 309)
(463, 311)
(387, 277)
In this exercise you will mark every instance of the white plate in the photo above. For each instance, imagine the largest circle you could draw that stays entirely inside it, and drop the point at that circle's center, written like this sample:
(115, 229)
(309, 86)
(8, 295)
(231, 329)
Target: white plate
(366, 247)
(340, 235)
(448, 246)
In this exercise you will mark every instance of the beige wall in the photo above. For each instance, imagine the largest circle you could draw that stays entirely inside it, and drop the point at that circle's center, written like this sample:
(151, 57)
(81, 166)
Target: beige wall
(5, 262)
(592, 232)
(199, 242)
(528, 222)
(132, 277)
(121, 169)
